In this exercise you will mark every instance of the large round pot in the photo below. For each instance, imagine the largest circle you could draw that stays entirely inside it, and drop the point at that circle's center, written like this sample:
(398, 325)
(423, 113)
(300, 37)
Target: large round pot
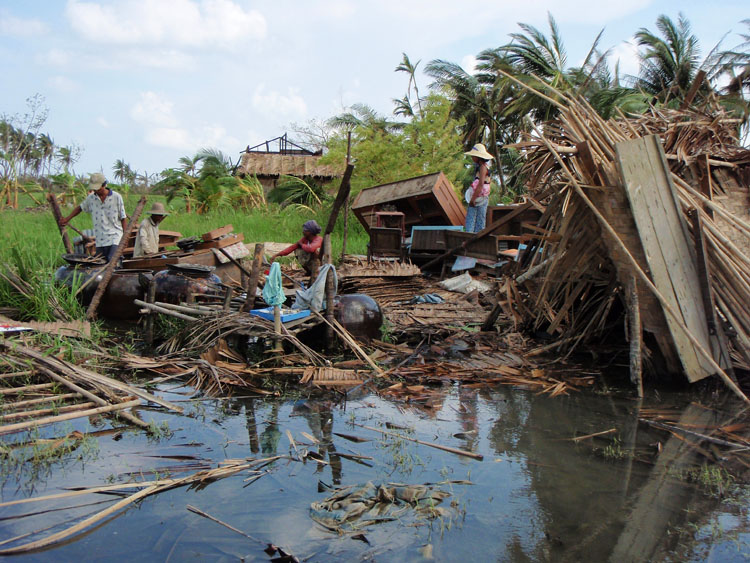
(359, 314)
(183, 286)
(117, 301)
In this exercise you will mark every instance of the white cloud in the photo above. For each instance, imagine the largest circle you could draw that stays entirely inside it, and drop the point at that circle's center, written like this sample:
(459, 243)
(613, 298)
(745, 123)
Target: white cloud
(102, 121)
(154, 110)
(290, 104)
(19, 27)
(178, 23)
(626, 53)
(169, 137)
(54, 57)
(469, 64)
(63, 84)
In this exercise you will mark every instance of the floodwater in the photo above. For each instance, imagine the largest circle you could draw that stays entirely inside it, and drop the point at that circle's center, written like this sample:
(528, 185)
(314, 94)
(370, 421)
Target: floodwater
(536, 496)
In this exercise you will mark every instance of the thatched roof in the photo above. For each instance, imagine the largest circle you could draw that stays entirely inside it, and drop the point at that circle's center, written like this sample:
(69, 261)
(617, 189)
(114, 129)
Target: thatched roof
(274, 164)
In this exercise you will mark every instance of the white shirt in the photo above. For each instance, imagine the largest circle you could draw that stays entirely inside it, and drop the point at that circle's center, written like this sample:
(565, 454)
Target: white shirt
(107, 217)
(147, 239)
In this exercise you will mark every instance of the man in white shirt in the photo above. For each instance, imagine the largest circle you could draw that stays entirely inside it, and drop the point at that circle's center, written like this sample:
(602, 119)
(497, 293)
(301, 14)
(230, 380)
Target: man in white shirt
(107, 213)
(147, 239)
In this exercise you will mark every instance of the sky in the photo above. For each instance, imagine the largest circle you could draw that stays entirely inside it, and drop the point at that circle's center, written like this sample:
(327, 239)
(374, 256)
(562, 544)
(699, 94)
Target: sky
(150, 81)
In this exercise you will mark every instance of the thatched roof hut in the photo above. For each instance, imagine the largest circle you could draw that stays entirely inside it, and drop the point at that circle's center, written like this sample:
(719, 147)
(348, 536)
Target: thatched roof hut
(268, 164)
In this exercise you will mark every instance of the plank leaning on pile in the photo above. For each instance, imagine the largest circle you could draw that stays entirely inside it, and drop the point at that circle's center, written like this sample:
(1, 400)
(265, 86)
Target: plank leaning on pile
(306, 249)
(147, 239)
(108, 215)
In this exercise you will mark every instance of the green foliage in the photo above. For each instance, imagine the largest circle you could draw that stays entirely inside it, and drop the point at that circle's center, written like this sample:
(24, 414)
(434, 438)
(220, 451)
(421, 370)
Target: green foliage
(291, 189)
(384, 153)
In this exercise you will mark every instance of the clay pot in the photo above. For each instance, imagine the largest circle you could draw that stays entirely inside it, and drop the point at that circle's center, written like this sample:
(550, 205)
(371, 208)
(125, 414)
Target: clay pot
(181, 287)
(359, 314)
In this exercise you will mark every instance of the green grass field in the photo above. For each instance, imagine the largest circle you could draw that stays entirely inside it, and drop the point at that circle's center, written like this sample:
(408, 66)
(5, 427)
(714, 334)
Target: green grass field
(31, 245)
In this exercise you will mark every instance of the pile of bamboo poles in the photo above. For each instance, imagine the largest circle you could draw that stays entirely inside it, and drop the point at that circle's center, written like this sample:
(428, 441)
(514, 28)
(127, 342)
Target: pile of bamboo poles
(574, 289)
(30, 384)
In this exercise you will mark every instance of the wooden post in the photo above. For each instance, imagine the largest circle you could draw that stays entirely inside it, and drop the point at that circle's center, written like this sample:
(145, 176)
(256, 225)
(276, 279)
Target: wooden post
(636, 336)
(347, 200)
(227, 298)
(277, 329)
(491, 319)
(149, 328)
(341, 196)
(330, 293)
(91, 311)
(347, 203)
(58, 217)
(252, 282)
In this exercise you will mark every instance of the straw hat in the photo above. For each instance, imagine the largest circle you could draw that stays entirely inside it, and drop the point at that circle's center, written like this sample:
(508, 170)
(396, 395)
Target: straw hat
(480, 151)
(157, 209)
(96, 181)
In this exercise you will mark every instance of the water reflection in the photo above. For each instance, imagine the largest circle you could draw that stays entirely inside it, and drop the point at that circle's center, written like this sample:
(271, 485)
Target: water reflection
(538, 495)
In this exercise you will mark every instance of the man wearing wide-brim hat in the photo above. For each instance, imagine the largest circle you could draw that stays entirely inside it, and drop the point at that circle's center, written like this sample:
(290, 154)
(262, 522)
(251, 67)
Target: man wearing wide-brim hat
(147, 239)
(107, 213)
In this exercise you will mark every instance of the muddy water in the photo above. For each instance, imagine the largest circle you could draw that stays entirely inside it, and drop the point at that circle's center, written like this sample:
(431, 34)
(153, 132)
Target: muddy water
(536, 496)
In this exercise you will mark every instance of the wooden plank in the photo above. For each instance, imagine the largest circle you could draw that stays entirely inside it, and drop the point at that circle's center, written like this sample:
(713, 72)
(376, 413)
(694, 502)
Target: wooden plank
(217, 233)
(221, 243)
(664, 237)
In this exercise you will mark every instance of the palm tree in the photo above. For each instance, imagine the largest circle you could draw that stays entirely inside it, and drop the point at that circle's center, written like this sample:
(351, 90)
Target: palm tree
(410, 69)
(66, 158)
(123, 173)
(46, 147)
(188, 164)
(670, 61)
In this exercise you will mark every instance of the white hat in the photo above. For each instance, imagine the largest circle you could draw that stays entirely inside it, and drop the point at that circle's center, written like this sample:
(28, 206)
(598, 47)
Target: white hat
(480, 151)
(97, 180)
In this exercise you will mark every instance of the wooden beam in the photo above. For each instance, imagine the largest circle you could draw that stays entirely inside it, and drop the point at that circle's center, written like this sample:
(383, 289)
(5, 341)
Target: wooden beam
(58, 217)
(252, 281)
(341, 197)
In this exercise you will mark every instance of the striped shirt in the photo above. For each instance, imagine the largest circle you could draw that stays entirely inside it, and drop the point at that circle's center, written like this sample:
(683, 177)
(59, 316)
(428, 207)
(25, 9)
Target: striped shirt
(107, 217)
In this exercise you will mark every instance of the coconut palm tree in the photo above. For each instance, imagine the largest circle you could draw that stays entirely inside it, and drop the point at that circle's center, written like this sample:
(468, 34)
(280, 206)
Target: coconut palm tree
(671, 59)
(410, 69)
(46, 147)
(66, 157)
(123, 173)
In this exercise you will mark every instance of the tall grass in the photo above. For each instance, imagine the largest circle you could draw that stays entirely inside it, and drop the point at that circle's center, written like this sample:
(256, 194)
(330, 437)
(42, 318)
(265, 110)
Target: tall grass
(31, 245)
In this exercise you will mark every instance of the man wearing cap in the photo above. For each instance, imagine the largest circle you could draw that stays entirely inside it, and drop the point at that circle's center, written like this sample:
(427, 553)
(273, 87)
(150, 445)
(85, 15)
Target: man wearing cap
(147, 239)
(107, 213)
(306, 249)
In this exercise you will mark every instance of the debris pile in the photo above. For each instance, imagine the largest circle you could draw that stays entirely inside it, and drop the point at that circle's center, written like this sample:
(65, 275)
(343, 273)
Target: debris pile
(641, 216)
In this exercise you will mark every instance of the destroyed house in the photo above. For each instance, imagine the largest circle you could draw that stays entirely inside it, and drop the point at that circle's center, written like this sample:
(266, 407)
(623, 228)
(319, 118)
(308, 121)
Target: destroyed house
(270, 160)
(424, 200)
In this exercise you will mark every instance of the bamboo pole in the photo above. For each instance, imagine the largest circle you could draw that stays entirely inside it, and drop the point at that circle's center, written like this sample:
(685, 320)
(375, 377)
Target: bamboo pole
(9, 428)
(82, 374)
(50, 399)
(51, 410)
(91, 397)
(164, 310)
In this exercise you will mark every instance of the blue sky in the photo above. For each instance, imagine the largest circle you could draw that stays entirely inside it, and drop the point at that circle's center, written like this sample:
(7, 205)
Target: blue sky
(149, 81)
